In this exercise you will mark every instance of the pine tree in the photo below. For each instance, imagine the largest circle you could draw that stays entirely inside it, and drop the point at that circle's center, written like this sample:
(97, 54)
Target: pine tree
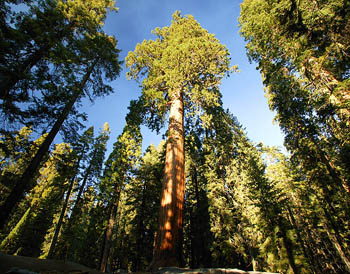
(88, 177)
(80, 155)
(300, 49)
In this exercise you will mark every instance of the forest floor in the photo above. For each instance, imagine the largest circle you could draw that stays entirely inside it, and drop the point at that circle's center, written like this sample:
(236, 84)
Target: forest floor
(26, 265)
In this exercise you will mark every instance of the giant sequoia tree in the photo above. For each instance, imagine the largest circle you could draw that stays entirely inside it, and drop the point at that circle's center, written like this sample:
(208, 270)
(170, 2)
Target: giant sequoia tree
(182, 68)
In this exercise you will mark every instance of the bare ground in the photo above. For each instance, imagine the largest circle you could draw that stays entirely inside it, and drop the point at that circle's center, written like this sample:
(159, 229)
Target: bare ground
(41, 266)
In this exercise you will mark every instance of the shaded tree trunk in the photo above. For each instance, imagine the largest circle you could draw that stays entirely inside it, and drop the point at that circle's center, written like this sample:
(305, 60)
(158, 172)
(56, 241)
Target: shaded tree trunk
(306, 250)
(140, 231)
(167, 250)
(107, 242)
(288, 246)
(60, 220)
(24, 184)
(80, 193)
(335, 239)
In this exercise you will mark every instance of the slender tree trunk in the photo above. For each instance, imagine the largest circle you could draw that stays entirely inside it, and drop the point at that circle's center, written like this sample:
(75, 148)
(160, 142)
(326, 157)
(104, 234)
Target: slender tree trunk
(15, 231)
(80, 193)
(167, 251)
(110, 207)
(140, 231)
(195, 233)
(109, 231)
(288, 246)
(307, 253)
(335, 239)
(60, 220)
(24, 183)
(76, 210)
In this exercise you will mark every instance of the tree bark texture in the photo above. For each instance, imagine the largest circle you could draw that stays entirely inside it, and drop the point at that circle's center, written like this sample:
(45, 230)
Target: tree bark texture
(167, 250)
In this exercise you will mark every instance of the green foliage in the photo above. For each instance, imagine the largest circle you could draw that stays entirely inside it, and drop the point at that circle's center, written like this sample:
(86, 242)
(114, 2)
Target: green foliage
(300, 47)
(16, 153)
(40, 205)
(75, 239)
(141, 206)
(184, 56)
(46, 48)
(246, 206)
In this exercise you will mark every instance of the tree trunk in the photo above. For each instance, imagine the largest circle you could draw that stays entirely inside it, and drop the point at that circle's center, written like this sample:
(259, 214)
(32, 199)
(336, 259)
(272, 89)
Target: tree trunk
(306, 250)
(81, 189)
(140, 231)
(24, 183)
(336, 239)
(109, 231)
(167, 250)
(60, 220)
(288, 245)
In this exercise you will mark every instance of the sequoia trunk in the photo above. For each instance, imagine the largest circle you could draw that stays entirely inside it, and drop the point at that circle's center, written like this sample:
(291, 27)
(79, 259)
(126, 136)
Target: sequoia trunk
(167, 250)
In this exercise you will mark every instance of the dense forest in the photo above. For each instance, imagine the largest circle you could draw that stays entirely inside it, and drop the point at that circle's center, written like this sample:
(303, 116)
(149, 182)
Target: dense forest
(206, 196)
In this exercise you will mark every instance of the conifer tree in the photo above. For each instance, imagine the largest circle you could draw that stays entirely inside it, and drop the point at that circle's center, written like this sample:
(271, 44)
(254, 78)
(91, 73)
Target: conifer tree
(88, 178)
(92, 56)
(142, 202)
(80, 153)
(28, 234)
(301, 50)
(124, 157)
(183, 68)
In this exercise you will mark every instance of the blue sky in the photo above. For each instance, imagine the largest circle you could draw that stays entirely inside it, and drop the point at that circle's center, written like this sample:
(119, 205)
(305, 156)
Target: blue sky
(242, 92)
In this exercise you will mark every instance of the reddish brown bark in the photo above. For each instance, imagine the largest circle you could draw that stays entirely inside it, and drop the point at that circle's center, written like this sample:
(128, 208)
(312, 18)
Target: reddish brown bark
(167, 250)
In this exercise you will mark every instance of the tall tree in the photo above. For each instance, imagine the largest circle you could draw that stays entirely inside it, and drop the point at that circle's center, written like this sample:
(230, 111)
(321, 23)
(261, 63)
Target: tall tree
(28, 234)
(183, 68)
(142, 206)
(97, 57)
(301, 49)
(41, 33)
(80, 151)
(124, 157)
(88, 178)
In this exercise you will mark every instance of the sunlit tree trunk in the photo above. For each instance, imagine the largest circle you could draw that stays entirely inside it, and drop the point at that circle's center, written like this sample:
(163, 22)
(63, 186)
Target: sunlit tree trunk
(167, 250)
